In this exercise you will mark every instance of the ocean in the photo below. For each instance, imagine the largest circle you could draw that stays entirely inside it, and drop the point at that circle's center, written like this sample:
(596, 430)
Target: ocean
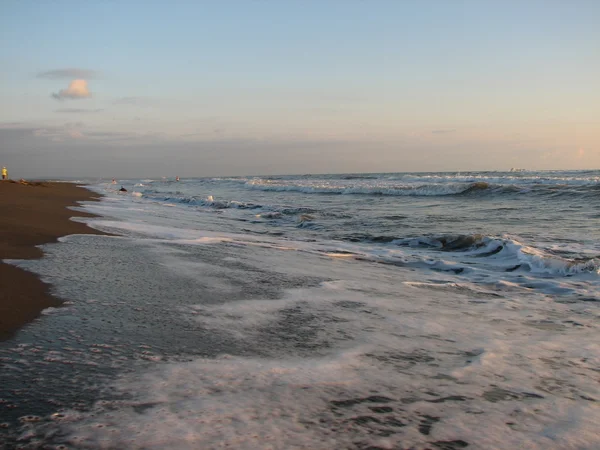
(356, 311)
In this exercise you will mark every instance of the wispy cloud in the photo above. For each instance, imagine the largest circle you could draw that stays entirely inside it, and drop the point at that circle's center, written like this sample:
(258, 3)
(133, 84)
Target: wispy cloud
(77, 89)
(77, 110)
(135, 101)
(443, 131)
(70, 130)
(69, 74)
(72, 133)
(12, 125)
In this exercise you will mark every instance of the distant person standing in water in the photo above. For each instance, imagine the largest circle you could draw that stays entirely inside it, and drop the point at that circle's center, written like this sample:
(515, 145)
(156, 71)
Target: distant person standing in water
(4, 173)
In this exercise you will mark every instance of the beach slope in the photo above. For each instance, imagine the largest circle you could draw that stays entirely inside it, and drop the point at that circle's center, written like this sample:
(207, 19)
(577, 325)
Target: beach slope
(32, 214)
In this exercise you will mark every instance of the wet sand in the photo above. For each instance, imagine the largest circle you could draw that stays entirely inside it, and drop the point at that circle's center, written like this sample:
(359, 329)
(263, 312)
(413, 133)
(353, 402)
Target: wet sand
(32, 214)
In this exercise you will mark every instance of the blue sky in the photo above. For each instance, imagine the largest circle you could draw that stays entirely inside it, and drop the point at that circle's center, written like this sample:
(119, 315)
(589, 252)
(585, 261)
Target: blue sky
(124, 88)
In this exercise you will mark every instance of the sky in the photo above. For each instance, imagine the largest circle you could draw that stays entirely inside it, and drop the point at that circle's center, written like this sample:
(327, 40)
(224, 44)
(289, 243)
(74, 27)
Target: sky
(258, 87)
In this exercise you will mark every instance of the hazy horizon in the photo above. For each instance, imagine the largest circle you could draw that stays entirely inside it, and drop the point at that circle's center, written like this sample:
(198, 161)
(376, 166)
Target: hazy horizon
(137, 89)
(171, 177)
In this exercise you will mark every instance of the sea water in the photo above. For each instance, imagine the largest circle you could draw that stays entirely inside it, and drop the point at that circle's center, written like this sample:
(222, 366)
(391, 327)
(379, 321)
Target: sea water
(421, 310)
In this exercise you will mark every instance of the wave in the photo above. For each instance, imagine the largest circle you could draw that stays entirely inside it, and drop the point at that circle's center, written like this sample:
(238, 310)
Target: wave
(422, 189)
(266, 211)
(506, 254)
(359, 177)
(208, 201)
(513, 254)
(506, 178)
(397, 190)
(477, 186)
(444, 242)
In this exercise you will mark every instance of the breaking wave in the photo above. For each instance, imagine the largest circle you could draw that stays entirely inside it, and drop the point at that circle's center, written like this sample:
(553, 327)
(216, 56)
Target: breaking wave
(432, 189)
(208, 201)
(551, 184)
(260, 211)
(503, 253)
(386, 190)
(512, 254)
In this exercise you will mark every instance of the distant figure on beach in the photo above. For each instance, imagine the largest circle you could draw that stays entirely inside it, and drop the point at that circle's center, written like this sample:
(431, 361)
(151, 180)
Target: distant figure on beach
(4, 173)
(176, 178)
(122, 189)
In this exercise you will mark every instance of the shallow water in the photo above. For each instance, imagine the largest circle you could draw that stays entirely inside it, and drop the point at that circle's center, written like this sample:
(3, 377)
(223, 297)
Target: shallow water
(349, 311)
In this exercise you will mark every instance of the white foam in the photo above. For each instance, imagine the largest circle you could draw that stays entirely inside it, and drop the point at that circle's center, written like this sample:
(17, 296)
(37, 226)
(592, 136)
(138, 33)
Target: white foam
(51, 310)
(162, 232)
(474, 379)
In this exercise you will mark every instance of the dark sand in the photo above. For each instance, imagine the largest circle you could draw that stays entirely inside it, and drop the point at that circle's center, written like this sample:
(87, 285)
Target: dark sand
(32, 214)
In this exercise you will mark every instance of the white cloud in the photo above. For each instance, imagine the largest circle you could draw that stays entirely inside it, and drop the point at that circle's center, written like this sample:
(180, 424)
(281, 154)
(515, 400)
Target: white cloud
(77, 89)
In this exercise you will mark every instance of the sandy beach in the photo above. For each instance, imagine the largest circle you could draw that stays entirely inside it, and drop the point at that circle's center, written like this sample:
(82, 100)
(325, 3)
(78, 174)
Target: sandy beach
(32, 214)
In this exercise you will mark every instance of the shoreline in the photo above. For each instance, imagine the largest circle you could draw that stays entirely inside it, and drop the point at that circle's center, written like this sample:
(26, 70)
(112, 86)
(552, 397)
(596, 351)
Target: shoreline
(32, 214)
